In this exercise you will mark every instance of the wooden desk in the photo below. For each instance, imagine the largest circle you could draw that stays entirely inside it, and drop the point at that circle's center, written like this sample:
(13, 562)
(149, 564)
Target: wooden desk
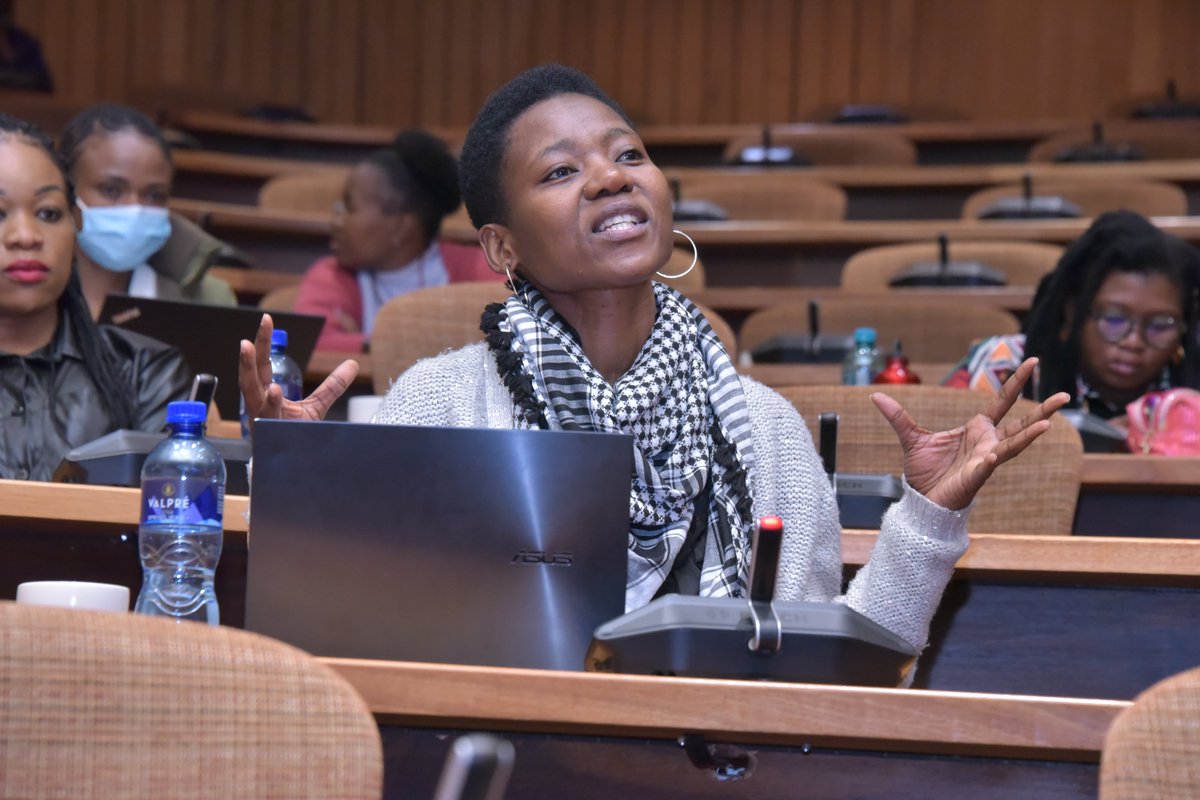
(59, 531)
(735, 253)
(223, 177)
(914, 193)
(1020, 616)
(938, 142)
(589, 736)
(875, 193)
(1120, 493)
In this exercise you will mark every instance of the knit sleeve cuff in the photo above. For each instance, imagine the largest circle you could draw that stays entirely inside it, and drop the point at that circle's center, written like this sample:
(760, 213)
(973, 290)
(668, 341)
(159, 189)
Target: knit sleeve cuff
(931, 520)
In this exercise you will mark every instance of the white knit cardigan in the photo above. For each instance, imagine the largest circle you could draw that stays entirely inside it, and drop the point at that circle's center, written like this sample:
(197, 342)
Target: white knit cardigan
(899, 587)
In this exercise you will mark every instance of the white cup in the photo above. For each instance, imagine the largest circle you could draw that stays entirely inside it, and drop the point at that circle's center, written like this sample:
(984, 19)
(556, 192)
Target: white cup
(362, 407)
(75, 594)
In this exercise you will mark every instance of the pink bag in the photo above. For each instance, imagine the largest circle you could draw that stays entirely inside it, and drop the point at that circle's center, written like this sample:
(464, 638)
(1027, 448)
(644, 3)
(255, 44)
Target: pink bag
(1165, 423)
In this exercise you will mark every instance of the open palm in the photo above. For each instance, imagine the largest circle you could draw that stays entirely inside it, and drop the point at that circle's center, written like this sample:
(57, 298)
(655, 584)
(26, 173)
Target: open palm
(264, 398)
(950, 467)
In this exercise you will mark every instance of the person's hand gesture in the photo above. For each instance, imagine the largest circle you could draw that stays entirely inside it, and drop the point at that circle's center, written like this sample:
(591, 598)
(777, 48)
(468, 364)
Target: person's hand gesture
(265, 399)
(951, 467)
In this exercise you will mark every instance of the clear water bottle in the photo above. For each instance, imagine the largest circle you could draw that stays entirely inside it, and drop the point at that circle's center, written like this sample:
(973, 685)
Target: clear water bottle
(284, 371)
(183, 501)
(863, 363)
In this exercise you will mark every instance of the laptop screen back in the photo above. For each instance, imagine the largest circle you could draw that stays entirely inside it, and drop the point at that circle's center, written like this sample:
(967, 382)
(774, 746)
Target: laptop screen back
(208, 336)
(492, 547)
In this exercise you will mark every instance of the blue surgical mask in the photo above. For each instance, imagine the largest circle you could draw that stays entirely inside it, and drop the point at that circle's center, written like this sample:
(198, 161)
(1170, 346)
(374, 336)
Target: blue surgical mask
(121, 238)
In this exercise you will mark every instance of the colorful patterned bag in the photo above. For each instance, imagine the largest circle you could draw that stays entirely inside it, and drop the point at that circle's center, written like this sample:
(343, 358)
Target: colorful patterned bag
(1165, 423)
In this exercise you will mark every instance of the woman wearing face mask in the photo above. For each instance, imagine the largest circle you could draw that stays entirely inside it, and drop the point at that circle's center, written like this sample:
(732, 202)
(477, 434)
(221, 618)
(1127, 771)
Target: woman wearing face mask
(64, 381)
(566, 201)
(1115, 319)
(385, 241)
(129, 243)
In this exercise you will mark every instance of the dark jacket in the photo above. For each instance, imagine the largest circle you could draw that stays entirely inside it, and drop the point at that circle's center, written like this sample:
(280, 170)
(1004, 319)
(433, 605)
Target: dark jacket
(48, 403)
(183, 263)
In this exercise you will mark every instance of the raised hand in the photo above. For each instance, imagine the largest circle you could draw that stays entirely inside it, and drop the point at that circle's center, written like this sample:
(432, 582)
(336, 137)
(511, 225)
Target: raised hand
(265, 399)
(950, 467)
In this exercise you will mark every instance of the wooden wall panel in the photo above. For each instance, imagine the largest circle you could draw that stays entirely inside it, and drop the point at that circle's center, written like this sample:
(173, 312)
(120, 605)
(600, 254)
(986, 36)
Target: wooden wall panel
(405, 62)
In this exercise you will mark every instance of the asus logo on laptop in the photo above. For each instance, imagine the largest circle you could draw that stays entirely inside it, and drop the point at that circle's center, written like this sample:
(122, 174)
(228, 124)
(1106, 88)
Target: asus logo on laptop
(543, 557)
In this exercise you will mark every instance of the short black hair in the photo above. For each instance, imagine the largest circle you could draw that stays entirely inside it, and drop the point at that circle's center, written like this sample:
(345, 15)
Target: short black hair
(422, 171)
(1118, 241)
(486, 144)
(100, 362)
(106, 118)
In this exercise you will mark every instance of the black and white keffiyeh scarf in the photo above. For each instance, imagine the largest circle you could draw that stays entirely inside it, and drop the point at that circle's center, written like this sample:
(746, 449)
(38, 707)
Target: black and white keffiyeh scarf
(682, 403)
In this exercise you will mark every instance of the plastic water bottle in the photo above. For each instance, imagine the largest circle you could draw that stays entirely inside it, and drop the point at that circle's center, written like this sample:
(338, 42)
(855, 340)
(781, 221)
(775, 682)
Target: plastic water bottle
(863, 363)
(284, 371)
(183, 500)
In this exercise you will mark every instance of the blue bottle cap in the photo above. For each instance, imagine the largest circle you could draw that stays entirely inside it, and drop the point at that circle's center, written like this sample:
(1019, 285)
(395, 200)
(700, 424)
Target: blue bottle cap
(864, 336)
(186, 411)
(278, 338)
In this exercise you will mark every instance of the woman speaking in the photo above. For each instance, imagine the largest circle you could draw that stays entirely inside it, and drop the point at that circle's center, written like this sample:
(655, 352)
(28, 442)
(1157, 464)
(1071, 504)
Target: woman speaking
(567, 203)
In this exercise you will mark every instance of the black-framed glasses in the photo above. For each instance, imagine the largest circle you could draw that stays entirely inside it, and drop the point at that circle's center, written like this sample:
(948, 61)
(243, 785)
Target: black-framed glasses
(1160, 331)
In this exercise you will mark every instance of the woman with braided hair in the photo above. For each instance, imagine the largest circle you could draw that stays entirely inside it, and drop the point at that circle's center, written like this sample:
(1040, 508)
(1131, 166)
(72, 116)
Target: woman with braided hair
(1115, 319)
(569, 206)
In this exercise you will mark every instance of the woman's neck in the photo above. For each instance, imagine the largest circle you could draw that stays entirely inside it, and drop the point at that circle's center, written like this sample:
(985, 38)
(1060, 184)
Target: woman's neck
(402, 256)
(613, 324)
(24, 335)
(98, 283)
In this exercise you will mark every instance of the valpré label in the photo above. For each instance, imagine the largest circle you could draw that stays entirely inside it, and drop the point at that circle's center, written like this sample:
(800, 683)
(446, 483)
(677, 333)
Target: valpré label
(182, 502)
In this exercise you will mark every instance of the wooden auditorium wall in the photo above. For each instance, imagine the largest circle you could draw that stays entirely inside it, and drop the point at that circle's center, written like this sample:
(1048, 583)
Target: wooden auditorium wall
(397, 62)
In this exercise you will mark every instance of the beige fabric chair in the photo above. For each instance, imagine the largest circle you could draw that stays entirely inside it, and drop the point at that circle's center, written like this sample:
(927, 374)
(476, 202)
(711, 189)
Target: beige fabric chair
(1152, 751)
(99, 705)
(1034, 494)
(281, 299)
(768, 195)
(1154, 144)
(304, 191)
(1148, 198)
(689, 284)
(1024, 263)
(430, 321)
(932, 331)
(426, 322)
(836, 148)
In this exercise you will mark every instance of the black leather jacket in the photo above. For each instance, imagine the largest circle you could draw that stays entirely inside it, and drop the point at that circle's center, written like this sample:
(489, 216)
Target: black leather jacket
(48, 403)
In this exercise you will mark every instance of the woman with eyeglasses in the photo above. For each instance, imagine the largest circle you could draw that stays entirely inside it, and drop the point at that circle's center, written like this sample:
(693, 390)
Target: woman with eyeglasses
(1115, 319)
(385, 240)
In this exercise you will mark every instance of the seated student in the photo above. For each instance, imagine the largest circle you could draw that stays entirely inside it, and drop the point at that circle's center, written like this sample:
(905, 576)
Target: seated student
(129, 243)
(385, 240)
(1108, 323)
(64, 381)
(568, 204)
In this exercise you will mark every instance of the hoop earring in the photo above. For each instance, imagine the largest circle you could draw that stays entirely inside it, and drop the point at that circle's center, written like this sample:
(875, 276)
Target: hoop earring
(695, 258)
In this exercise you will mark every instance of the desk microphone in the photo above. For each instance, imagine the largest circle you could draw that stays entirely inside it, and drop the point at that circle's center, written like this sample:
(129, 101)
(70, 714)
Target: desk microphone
(827, 442)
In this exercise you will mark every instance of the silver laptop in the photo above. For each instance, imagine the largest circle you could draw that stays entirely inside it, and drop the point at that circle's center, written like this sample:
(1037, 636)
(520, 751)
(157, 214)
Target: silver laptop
(456, 545)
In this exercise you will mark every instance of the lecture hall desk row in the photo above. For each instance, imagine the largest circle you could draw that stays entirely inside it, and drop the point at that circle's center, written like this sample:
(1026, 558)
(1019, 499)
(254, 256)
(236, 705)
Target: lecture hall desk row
(875, 193)
(1020, 609)
(735, 254)
(1039, 643)
(938, 142)
(1118, 492)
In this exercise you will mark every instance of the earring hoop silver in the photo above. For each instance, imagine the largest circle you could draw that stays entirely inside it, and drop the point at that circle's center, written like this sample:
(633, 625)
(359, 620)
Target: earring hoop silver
(695, 257)
(511, 283)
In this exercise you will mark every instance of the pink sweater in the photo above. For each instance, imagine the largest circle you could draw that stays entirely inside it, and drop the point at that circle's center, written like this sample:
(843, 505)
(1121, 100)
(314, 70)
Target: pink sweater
(331, 290)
